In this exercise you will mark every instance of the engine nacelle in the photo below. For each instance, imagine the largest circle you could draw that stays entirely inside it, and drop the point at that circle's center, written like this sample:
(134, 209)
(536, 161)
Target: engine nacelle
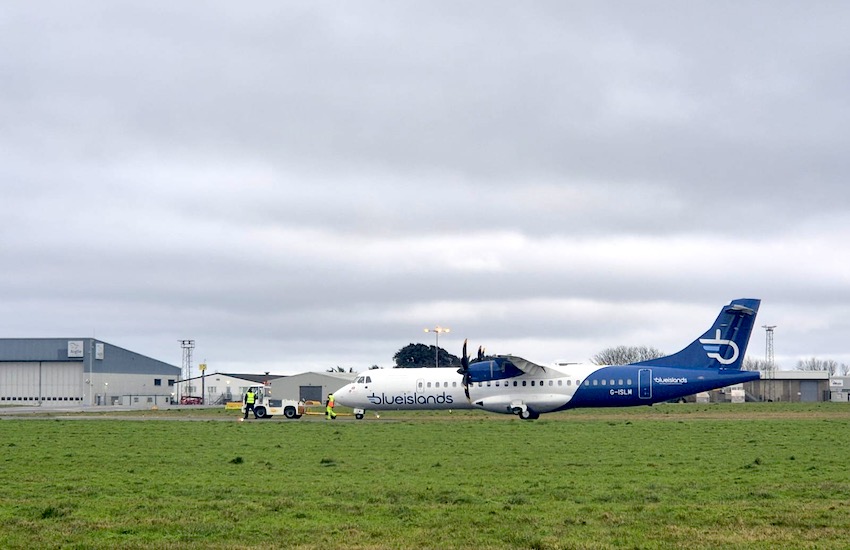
(494, 369)
(509, 404)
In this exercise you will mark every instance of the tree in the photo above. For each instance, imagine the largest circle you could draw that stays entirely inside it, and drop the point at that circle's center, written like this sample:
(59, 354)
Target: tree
(420, 355)
(815, 364)
(755, 364)
(623, 355)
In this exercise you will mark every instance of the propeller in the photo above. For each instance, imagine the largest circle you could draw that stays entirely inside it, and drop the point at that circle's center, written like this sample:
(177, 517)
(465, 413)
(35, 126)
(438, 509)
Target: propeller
(464, 369)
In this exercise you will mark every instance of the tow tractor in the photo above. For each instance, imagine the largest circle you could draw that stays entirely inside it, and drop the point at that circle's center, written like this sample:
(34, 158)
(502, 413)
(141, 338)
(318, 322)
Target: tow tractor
(266, 407)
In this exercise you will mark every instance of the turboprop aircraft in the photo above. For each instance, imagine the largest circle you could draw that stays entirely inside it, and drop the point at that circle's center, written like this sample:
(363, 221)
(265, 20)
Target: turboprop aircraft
(512, 385)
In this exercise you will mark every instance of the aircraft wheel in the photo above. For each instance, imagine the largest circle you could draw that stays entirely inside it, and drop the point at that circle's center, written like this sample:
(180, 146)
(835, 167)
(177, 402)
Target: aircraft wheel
(528, 414)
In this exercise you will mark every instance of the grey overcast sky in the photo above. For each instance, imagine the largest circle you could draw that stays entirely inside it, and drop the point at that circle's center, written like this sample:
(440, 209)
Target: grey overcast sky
(303, 185)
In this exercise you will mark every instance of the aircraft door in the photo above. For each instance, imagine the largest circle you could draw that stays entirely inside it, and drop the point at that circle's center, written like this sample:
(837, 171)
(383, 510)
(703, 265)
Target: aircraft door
(645, 383)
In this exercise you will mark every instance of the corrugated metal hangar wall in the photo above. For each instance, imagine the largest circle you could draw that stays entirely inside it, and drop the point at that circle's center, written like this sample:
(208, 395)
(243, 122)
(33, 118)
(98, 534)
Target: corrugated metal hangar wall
(77, 371)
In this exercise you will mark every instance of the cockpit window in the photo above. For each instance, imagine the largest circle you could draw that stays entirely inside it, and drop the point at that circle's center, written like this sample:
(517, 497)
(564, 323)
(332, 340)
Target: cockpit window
(368, 379)
(360, 380)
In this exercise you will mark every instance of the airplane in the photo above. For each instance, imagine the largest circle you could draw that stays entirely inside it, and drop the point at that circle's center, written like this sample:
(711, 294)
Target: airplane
(512, 385)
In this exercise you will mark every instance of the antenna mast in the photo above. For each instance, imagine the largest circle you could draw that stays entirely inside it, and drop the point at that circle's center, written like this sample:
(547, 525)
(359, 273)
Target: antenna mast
(188, 346)
(770, 366)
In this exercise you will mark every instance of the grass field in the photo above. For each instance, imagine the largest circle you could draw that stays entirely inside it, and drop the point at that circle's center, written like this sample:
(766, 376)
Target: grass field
(669, 476)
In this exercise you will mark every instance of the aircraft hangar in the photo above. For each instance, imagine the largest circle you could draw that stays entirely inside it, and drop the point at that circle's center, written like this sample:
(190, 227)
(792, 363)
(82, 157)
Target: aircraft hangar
(80, 371)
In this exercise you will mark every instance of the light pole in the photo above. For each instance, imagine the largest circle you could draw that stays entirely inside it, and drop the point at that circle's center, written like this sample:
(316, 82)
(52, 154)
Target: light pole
(437, 330)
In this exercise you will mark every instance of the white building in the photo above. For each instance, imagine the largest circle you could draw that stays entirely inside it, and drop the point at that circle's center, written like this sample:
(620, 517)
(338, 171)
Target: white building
(839, 388)
(219, 388)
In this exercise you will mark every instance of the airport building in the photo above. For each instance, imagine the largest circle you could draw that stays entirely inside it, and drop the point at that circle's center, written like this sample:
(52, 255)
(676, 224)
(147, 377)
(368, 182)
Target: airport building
(220, 388)
(81, 371)
(839, 389)
(90, 372)
(790, 386)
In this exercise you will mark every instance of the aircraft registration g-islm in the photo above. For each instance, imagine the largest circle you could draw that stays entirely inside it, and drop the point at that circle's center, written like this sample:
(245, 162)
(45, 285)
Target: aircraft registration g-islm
(511, 385)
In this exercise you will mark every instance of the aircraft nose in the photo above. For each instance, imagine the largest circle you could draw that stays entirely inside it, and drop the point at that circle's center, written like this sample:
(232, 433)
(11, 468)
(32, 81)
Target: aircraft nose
(342, 394)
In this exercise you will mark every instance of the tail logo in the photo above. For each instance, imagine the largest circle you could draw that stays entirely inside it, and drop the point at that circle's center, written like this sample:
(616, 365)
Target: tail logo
(712, 348)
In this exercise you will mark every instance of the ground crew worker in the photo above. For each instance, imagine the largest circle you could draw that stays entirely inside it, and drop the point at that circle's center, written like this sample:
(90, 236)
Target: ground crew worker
(329, 407)
(250, 398)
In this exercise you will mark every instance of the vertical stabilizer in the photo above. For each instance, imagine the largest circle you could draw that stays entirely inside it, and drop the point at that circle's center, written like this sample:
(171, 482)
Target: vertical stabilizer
(723, 345)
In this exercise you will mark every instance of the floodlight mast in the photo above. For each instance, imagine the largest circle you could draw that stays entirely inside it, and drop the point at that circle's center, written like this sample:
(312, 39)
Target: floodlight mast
(437, 330)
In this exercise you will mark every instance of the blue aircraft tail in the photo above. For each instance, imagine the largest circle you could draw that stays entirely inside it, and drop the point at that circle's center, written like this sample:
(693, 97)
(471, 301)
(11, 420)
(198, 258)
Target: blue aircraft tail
(723, 345)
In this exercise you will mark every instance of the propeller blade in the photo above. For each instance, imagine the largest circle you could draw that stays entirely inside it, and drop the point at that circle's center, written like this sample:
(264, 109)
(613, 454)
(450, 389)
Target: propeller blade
(464, 361)
(464, 369)
(480, 353)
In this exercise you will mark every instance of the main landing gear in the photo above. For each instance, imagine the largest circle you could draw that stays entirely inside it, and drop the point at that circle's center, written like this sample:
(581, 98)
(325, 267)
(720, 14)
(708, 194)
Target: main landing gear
(525, 413)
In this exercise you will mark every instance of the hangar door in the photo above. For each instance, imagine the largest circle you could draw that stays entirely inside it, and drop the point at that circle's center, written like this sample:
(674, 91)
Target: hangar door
(310, 393)
(41, 382)
(808, 391)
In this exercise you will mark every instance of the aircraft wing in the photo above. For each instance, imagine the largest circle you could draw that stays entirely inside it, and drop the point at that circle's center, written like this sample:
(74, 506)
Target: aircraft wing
(525, 365)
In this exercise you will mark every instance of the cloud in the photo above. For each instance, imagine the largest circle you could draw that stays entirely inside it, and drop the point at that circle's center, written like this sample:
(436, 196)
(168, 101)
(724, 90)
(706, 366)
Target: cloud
(309, 185)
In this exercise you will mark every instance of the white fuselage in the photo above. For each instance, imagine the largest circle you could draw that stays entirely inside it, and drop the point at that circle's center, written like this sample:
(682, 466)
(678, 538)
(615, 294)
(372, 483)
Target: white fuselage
(414, 388)
(442, 388)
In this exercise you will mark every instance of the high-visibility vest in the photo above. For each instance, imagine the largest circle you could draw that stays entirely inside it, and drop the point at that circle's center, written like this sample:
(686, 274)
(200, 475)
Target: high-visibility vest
(249, 398)
(331, 401)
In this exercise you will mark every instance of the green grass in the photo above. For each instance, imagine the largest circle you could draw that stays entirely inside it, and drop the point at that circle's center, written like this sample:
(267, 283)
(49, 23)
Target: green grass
(683, 476)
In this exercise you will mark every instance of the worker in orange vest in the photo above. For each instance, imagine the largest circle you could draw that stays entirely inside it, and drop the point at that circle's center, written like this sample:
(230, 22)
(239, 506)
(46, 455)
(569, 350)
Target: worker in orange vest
(329, 407)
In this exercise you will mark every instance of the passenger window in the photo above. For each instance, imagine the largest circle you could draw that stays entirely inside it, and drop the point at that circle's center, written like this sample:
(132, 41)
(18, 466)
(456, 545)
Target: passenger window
(419, 384)
(429, 384)
(532, 382)
(612, 382)
(551, 383)
(454, 384)
(620, 381)
(515, 383)
(523, 382)
(561, 382)
(488, 383)
(629, 381)
(596, 382)
(604, 381)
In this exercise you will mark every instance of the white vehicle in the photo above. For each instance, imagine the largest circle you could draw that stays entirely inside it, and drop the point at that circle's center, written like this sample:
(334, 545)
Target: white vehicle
(266, 407)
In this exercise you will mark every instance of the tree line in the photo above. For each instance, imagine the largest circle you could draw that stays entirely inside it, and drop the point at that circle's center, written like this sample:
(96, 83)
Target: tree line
(422, 355)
